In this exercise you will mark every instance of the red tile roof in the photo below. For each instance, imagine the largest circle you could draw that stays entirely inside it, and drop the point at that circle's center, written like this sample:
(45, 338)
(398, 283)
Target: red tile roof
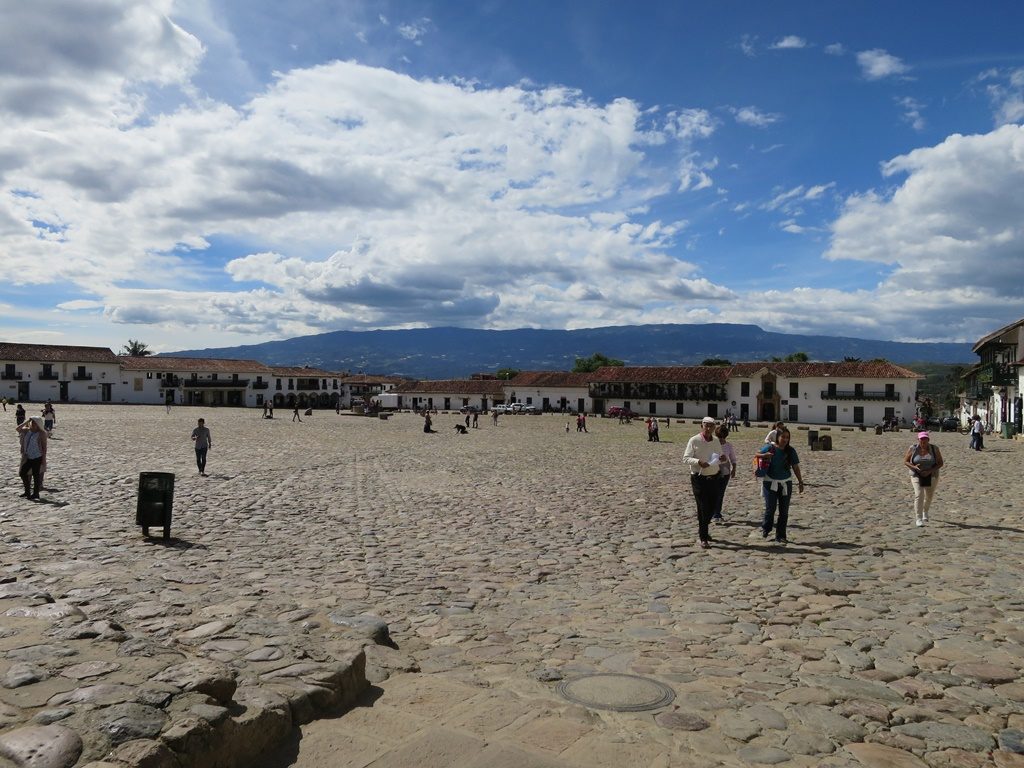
(453, 387)
(55, 353)
(550, 379)
(302, 372)
(693, 374)
(881, 369)
(366, 378)
(191, 364)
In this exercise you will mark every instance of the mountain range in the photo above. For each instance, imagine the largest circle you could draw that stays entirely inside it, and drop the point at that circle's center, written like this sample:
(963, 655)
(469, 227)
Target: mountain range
(442, 353)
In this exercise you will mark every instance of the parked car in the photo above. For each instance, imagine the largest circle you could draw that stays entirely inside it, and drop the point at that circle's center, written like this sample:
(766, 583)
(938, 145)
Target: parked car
(502, 408)
(522, 408)
(950, 424)
(469, 409)
(618, 411)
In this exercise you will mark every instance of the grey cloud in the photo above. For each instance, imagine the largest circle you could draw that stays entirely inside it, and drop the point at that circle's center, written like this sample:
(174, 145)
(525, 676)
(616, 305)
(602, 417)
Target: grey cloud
(71, 36)
(269, 188)
(380, 295)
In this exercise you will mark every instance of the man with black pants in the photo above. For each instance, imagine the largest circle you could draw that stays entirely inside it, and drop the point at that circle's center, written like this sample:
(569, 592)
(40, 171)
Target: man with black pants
(702, 458)
(204, 442)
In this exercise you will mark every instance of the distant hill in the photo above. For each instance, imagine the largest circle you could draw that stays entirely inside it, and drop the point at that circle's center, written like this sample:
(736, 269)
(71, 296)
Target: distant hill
(438, 353)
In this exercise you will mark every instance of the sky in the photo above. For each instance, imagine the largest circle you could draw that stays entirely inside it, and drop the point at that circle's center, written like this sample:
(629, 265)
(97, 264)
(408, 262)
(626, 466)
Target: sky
(206, 173)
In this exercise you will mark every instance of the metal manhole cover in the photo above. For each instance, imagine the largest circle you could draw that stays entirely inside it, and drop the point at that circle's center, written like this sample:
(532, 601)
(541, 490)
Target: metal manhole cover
(619, 693)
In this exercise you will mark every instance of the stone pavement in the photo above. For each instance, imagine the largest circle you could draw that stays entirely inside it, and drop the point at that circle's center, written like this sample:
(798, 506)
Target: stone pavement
(477, 571)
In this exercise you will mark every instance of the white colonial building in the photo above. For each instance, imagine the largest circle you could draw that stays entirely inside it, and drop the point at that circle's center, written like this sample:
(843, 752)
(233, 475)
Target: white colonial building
(552, 391)
(821, 393)
(39, 372)
(304, 387)
(356, 388)
(993, 388)
(448, 394)
(192, 381)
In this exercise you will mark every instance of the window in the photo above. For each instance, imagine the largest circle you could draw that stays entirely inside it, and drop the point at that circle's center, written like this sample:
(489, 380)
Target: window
(9, 371)
(830, 415)
(794, 389)
(832, 390)
(768, 390)
(890, 390)
(744, 389)
(713, 410)
(278, 385)
(858, 390)
(81, 371)
(213, 377)
(858, 414)
(679, 409)
(149, 374)
(890, 413)
(652, 407)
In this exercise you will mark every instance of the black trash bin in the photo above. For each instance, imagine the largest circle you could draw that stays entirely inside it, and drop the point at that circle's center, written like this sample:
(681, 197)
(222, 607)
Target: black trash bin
(156, 497)
(826, 442)
(812, 435)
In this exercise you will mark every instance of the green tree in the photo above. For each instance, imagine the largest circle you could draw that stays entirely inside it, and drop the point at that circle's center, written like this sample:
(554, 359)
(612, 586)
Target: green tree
(716, 361)
(796, 357)
(135, 348)
(592, 363)
(851, 360)
(506, 374)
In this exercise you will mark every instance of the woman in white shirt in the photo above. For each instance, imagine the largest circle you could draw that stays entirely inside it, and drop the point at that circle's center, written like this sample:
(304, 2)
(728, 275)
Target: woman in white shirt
(726, 468)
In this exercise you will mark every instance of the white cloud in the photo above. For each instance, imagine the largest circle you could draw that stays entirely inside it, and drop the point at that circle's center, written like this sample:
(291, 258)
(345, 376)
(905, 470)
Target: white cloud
(835, 49)
(912, 112)
(877, 64)
(84, 57)
(415, 31)
(1006, 92)
(748, 44)
(789, 42)
(386, 201)
(954, 220)
(690, 124)
(754, 117)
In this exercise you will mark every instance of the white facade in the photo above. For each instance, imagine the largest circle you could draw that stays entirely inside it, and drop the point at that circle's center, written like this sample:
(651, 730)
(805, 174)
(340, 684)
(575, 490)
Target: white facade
(38, 372)
(815, 393)
(193, 381)
(993, 388)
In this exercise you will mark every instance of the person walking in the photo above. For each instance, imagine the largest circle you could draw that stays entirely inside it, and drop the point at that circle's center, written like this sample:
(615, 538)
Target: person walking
(33, 456)
(427, 422)
(977, 434)
(476, 420)
(777, 484)
(203, 443)
(701, 457)
(727, 467)
(295, 413)
(49, 418)
(19, 415)
(924, 461)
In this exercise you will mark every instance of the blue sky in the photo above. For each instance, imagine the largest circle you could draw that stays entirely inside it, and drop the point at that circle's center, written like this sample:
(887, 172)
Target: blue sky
(209, 173)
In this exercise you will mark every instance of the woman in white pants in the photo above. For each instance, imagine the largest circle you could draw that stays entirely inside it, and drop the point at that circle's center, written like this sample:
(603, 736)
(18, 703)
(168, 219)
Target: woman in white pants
(924, 462)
